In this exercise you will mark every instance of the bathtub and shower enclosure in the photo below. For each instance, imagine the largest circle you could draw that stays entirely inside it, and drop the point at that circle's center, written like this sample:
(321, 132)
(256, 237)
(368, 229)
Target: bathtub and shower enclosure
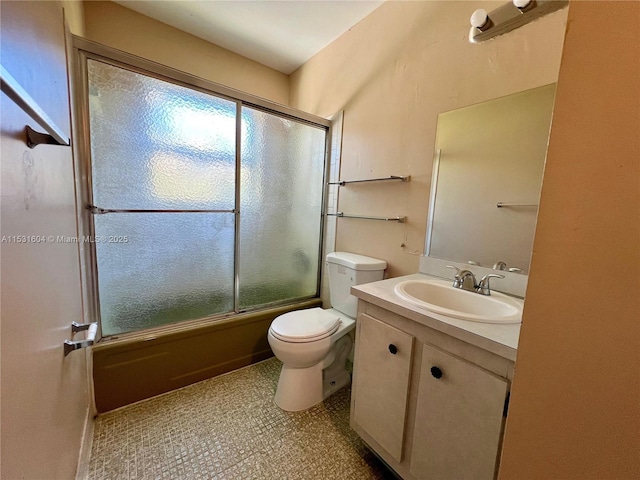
(204, 207)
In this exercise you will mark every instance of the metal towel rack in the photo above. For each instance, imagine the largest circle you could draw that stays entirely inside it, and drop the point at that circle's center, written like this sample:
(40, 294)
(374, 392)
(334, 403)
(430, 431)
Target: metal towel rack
(401, 178)
(364, 217)
(505, 204)
(404, 178)
(12, 89)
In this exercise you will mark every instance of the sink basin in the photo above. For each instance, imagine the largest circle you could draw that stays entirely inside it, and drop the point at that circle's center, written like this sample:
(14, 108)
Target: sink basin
(439, 296)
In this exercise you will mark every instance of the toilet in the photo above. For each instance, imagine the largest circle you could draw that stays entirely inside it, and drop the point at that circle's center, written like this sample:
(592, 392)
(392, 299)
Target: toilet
(313, 345)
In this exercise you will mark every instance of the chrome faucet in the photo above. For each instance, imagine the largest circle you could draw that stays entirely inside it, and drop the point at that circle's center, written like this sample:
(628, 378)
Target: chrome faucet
(466, 280)
(499, 266)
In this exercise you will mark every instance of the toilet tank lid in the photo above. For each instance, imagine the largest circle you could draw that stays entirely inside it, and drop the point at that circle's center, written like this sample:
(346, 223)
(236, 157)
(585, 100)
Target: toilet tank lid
(355, 261)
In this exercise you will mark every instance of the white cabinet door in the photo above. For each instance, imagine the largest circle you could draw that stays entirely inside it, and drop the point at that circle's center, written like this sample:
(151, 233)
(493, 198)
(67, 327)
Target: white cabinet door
(459, 419)
(381, 382)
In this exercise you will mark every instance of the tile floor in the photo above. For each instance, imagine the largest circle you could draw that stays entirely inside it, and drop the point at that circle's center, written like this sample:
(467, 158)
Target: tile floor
(229, 428)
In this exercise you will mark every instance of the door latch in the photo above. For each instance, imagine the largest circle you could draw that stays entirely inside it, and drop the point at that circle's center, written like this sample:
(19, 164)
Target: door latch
(91, 328)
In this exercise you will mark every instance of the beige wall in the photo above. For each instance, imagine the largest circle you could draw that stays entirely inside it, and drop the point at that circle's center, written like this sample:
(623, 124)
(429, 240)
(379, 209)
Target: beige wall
(74, 16)
(119, 27)
(44, 394)
(392, 74)
(575, 409)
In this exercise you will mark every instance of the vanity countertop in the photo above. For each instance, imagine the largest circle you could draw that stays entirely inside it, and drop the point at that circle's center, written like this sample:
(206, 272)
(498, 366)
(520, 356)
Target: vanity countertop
(500, 339)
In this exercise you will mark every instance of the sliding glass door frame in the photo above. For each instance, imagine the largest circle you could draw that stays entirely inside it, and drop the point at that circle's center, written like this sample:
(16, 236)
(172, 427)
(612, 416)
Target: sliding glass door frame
(83, 50)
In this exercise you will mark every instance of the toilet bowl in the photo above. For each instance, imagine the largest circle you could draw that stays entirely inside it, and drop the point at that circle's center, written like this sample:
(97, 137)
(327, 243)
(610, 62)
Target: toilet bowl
(314, 344)
(306, 378)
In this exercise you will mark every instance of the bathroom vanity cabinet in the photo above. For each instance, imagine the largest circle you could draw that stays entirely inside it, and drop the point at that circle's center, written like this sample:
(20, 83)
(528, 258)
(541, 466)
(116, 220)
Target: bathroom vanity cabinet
(430, 404)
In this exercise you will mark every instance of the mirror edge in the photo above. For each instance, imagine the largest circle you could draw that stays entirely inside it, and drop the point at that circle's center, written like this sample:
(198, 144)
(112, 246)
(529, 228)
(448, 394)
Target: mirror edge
(432, 199)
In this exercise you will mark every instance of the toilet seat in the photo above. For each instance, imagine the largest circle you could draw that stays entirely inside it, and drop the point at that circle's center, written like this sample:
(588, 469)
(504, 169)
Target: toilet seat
(304, 326)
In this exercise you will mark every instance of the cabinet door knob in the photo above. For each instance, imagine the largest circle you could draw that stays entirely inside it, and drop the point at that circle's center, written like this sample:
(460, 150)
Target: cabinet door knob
(393, 349)
(436, 372)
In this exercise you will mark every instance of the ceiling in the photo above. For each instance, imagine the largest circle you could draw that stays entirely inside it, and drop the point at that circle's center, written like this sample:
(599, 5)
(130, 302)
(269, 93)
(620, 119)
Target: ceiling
(282, 34)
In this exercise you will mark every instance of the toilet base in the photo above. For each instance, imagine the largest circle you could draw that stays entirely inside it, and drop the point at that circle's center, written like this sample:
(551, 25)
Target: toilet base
(331, 386)
(299, 388)
(302, 388)
(335, 376)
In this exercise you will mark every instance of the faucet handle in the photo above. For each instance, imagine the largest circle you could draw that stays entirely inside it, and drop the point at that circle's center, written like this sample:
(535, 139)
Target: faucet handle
(457, 281)
(457, 274)
(483, 285)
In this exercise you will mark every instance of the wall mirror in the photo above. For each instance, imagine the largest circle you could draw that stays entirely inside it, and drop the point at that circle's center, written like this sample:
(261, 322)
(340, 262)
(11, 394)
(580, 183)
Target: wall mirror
(486, 180)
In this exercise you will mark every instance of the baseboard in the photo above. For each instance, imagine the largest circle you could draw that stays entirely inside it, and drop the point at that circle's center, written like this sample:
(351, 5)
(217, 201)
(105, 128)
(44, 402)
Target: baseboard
(84, 458)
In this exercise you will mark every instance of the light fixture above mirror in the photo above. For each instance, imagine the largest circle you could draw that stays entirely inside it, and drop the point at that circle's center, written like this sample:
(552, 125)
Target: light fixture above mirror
(509, 17)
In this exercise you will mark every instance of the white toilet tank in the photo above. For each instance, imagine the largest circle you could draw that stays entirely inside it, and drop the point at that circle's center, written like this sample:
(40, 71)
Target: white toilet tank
(347, 270)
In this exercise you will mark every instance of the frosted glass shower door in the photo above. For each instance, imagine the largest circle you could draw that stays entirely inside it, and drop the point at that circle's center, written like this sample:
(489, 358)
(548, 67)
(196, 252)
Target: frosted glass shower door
(281, 187)
(163, 165)
(201, 204)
